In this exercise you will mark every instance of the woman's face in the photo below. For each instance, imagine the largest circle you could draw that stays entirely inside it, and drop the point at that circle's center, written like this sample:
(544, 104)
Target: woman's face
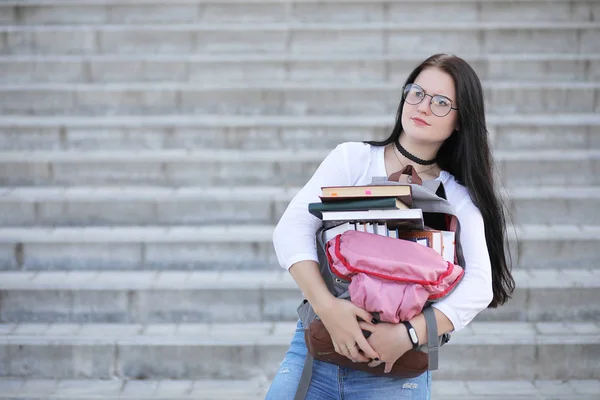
(418, 121)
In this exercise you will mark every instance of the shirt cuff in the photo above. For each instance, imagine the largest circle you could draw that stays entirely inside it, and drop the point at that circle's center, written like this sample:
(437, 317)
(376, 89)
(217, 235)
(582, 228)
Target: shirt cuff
(451, 314)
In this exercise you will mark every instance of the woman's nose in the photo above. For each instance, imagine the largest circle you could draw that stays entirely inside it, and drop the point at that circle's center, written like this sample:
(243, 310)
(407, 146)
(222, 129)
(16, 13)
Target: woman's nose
(424, 106)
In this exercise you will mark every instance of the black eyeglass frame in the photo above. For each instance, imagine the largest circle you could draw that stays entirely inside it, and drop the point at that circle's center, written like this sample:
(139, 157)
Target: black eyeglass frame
(431, 101)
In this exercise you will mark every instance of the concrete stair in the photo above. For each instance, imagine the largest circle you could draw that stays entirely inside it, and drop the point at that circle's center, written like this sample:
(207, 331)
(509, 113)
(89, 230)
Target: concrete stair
(277, 98)
(147, 150)
(84, 389)
(507, 132)
(206, 68)
(319, 37)
(251, 205)
(521, 351)
(147, 297)
(60, 12)
(223, 247)
(223, 168)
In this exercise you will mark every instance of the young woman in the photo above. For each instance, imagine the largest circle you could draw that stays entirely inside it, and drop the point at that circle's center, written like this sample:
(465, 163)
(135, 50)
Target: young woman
(441, 131)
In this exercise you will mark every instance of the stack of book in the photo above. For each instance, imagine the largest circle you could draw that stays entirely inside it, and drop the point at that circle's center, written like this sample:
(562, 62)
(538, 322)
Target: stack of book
(382, 210)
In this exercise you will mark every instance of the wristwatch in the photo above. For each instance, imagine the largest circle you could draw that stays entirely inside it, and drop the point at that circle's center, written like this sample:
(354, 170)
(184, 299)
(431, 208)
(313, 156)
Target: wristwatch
(412, 334)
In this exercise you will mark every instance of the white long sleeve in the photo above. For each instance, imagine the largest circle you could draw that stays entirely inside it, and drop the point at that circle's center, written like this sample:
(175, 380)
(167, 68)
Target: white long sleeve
(474, 293)
(294, 235)
(355, 163)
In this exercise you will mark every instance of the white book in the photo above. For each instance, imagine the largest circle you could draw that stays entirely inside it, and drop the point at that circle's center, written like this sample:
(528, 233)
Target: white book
(333, 232)
(423, 242)
(393, 233)
(369, 228)
(381, 229)
(408, 219)
(360, 227)
(449, 245)
(438, 242)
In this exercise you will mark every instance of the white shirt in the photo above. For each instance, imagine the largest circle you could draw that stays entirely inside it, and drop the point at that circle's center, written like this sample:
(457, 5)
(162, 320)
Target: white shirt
(356, 163)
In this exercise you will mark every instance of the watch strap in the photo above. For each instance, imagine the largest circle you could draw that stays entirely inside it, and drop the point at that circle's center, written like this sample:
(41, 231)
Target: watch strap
(412, 334)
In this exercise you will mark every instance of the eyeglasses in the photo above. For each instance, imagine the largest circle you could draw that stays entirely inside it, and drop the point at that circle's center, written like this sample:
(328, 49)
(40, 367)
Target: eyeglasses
(440, 105)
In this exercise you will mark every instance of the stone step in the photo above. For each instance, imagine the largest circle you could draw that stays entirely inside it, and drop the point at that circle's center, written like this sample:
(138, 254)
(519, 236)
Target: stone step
(524, 351)
(228, 248)
(224, 297)
(116, 388)
(508, 132)
(107, 12)
(276, 98)
(156, 206)
(321, 37)
(254, 168)
(281, 67)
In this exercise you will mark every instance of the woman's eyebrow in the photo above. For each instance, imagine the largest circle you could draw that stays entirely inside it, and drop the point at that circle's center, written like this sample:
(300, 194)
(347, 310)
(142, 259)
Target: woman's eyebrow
(434, 94)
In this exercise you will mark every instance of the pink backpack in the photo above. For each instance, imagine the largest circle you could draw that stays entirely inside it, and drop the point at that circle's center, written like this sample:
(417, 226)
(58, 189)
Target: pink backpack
(392, 277)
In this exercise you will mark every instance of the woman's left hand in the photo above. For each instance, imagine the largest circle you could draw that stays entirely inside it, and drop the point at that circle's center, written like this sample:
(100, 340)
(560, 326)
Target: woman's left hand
(390, 341)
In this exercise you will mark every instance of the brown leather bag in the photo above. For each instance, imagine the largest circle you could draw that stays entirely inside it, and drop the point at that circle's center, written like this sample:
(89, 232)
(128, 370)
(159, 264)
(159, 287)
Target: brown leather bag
(318, 342)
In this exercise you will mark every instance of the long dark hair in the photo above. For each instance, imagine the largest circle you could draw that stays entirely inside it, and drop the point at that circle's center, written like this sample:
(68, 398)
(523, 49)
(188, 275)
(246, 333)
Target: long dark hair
(467, 156)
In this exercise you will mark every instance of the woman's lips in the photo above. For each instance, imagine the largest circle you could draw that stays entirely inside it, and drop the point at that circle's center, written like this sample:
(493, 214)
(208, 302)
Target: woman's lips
(419, 121)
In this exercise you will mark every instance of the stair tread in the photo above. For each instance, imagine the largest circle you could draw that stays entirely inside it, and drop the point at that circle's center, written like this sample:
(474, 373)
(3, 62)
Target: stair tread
(278, 333)
(243, 58)
(306, 26)
(231, 156)
(276, 279)
(290, 85)
(281, 120)
(93, 194)
(229, 233)
(256, 388)
(79, 3)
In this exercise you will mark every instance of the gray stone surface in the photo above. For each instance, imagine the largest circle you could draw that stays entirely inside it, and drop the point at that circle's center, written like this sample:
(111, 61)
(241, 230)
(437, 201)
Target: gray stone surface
(145, 209)
(125, 42)
(175, 297)
(278, 67)
(7, 16)
(256, 389)
(534, 40)
(136, 71)
(270, 99)
(136, 14)
(268, 76)
(192, 247)
(231, 354)
(81, 256)
(29, 139)
(51, 15)
(48, 42)
(40, 360)
(48, 71)
(514, 132)
(263, 168)
(232, 42)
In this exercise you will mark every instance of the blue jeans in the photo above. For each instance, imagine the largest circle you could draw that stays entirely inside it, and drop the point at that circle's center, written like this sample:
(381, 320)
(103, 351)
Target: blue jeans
(336, 383)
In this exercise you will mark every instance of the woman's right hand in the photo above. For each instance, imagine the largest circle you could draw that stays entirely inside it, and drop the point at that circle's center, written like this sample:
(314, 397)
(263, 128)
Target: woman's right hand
(340, 318)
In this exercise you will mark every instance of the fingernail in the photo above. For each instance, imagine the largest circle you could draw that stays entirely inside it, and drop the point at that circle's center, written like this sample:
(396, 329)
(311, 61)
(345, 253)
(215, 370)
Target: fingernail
(374, 321)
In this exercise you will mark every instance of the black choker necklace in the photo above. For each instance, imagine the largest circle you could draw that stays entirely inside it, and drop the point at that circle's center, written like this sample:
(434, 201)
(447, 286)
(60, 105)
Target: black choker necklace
(411, 157)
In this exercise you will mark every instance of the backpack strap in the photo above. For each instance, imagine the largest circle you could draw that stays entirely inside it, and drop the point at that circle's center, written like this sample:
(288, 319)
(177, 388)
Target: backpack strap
(305, 378)
(433, 345)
